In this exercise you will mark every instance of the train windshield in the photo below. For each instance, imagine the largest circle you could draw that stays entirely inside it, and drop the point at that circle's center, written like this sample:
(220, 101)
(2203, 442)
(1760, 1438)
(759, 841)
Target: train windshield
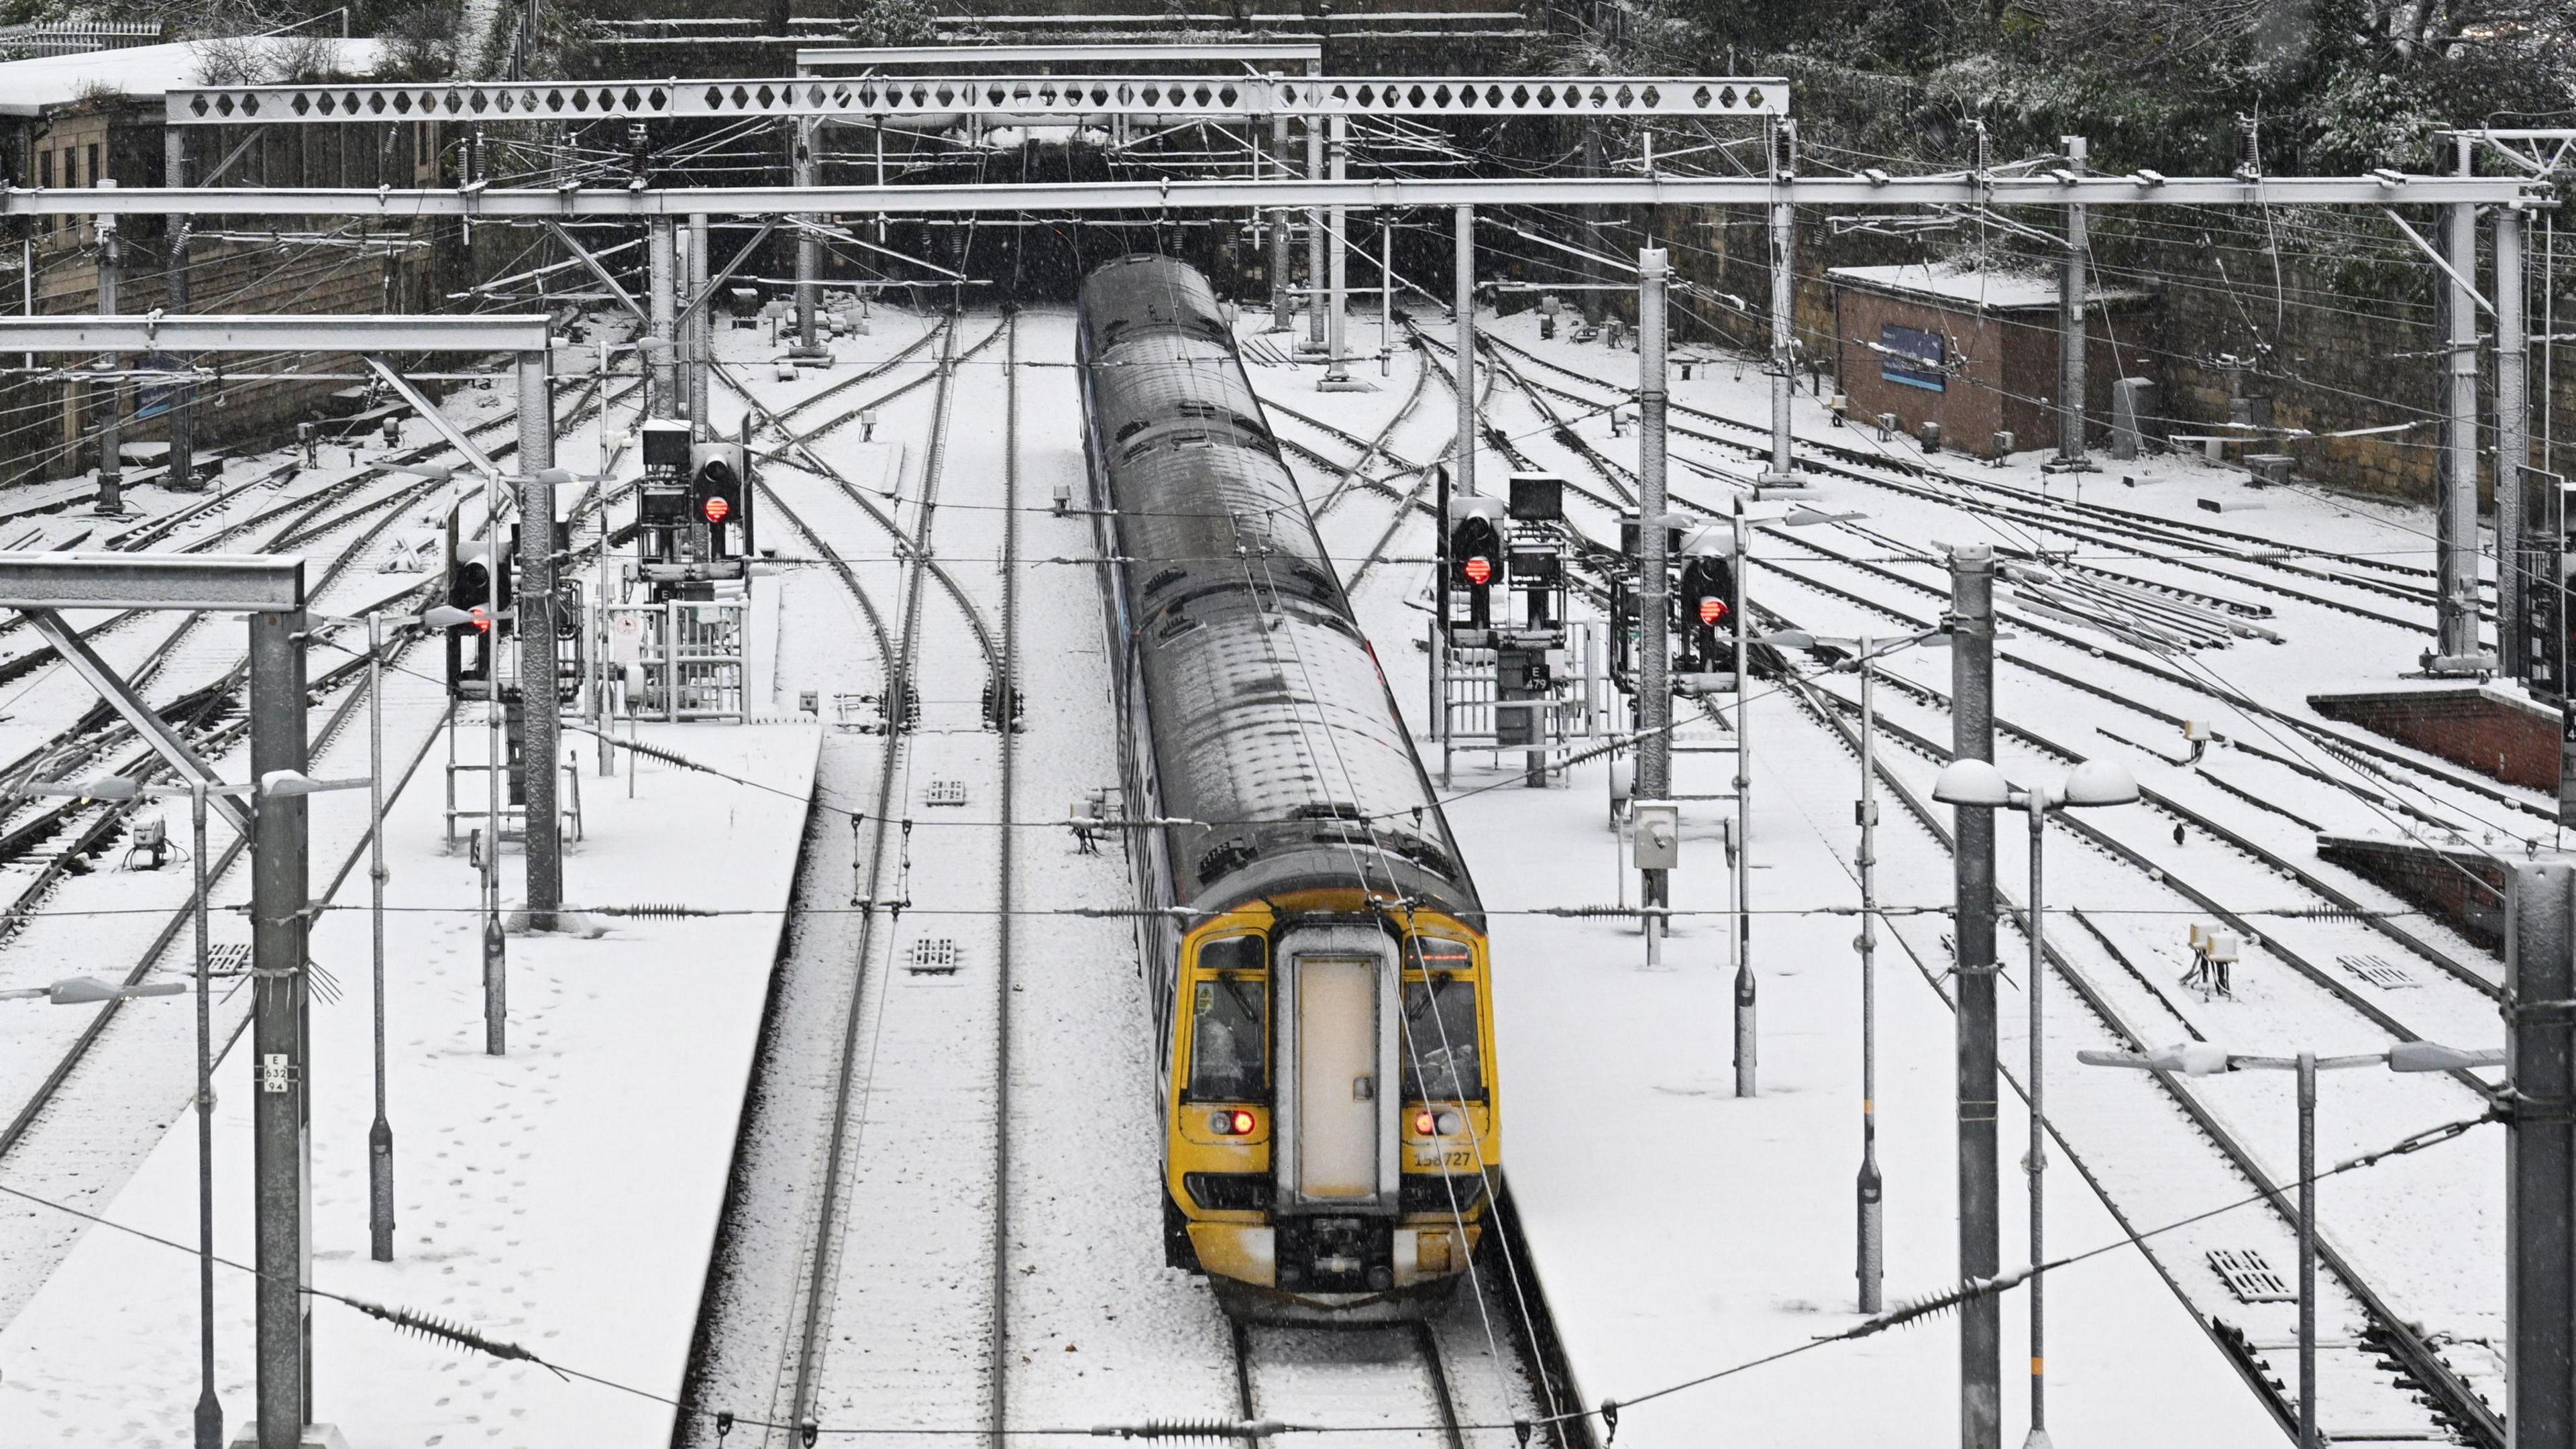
(1229, 1025)
(1441, 1060)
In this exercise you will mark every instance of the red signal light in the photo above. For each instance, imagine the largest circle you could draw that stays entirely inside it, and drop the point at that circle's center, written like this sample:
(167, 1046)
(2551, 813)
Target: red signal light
(1711, 610)
(716, 510)
(1477, 570)
(482, 621)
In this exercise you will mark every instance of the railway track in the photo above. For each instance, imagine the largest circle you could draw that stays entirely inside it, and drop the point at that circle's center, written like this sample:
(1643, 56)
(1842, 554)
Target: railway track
(2131, 1007)
(87, 1061)
(2105, 1139)
(2196, 549)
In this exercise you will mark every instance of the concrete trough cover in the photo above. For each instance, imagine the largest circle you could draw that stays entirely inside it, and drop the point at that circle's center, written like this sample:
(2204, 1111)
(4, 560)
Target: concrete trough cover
(933, 956)
(2249, 1276)
(2378, 971)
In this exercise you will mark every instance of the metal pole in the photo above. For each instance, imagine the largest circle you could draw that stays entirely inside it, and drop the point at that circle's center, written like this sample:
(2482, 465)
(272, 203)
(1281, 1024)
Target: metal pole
(1589, 300)
(111, 436)
(2307, 1251)
(281, 1141)
(181, 471)
(210, 1409)
(1654, 694)
(380, 1134)
(1279, 230)
(1386, 294)
(2037, 1161)
(1463, 292)
(1972, 736)
(2540, 1156)
(2513, 437)
(496, 959)
(1747, 1046)
(1317, 268)
(701, 327)
(809, 243)
(1871, 1190)
(538, 690)
(662, 281)
(2456, 516)
(2070, 324)
(1784, 339)
(1337, 320)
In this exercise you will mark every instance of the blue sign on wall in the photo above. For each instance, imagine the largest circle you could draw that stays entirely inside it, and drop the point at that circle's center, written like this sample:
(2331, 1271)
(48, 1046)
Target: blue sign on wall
(1912, 357)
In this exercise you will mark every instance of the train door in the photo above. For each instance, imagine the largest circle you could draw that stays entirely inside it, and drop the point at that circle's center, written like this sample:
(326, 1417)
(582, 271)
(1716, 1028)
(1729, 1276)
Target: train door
(1336, 1146)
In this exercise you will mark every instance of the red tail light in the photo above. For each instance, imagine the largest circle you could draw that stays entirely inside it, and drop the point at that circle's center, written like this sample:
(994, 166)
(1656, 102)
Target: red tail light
(1423, 1123)
(1236, 1122)
(1439, 1123)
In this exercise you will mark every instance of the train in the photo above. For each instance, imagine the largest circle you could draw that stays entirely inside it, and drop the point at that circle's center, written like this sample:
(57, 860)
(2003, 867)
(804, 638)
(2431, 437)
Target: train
(1315, 949)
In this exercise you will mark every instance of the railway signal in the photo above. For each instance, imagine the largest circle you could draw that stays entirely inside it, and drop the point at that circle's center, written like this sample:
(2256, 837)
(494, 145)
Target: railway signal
(1708, 604)
(471, 590)
(716, 497)
(1475, 566)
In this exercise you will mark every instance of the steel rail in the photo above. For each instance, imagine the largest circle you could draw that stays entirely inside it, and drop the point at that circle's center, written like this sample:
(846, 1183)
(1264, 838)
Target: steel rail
(2017, 506)
(807, 1349)
(2418, 1359)
(1005, 714)
(2433, 955)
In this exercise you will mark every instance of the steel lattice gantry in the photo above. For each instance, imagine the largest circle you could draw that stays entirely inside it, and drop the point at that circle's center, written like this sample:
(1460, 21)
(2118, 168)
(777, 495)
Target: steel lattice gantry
(886, 98)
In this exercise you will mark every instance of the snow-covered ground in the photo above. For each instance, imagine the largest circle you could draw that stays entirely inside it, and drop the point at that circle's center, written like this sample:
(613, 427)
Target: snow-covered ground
(1620, 1086)
(1677, 1229)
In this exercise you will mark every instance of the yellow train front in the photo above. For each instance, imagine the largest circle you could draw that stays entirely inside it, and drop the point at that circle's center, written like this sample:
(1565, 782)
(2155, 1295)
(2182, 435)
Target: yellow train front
(1316, 949)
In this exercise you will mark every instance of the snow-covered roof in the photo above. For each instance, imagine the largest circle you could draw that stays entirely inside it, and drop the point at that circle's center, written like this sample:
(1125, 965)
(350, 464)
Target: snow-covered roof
(147, 72)
(1964, 285)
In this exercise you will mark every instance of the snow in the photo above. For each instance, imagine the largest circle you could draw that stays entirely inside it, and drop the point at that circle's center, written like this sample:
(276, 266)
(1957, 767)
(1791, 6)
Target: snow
(1619, 1102)
(1677, 1228)
(147, 72)
(564, 1196)
(1995, 291)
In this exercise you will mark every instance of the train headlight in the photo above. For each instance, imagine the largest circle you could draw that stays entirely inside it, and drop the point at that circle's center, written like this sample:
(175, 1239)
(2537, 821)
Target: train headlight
(1436, 1123)
(1234, 1122)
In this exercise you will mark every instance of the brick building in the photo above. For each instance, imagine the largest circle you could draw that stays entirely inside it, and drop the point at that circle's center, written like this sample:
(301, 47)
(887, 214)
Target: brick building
(1973, 350)
(78, 121)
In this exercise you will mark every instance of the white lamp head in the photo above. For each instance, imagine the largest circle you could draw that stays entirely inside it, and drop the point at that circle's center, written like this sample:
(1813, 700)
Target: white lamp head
(2432, 1056)
(2101, 782)
(1973, 783)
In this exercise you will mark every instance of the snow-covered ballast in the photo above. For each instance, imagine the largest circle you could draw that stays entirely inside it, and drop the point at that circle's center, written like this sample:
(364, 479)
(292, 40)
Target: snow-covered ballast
(1316, 949)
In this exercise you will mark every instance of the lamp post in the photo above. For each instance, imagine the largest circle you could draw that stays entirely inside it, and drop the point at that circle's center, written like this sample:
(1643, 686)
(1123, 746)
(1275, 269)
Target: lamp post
(2201, 1059)
(495, 947)
(1974, 783)
(210, 1411)
(85, 989)
(380, 1133)
(1869, 1188)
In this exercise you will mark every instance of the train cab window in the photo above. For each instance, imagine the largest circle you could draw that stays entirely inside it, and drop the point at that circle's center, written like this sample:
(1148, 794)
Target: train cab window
(1442, 1060)
(1229, 1024)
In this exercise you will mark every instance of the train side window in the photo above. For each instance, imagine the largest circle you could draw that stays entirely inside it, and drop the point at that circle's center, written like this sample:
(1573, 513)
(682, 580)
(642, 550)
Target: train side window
(1442, 1062)
(1229, 1024)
